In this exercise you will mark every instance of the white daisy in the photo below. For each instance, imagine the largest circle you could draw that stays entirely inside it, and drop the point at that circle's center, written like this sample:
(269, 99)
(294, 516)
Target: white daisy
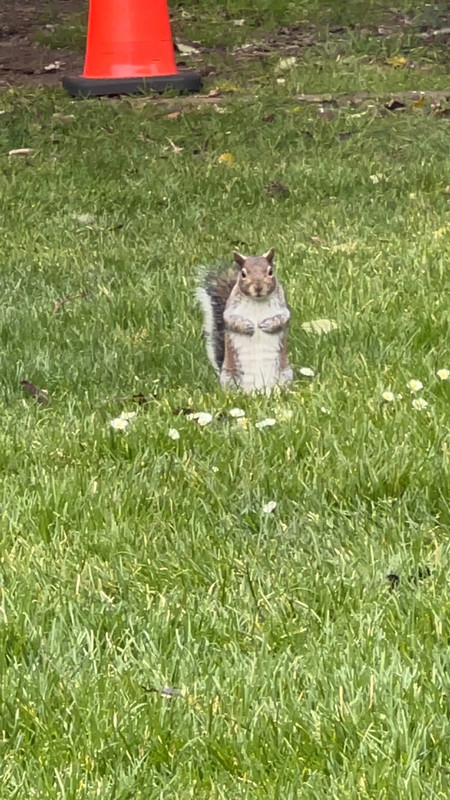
(419, 403)
(266, 423)
(443, 374)
(388, 397)
(119, 424)
(173, 434)
(201, 417)
(414, 385)
(237, 413)
(127, 415)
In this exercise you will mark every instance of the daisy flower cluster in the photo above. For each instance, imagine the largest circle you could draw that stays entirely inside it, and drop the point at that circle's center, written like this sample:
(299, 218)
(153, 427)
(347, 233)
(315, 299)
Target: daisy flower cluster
(122, 422)
(415, 386)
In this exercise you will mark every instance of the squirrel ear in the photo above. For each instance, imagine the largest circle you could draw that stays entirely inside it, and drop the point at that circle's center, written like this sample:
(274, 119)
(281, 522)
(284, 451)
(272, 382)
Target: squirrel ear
(239, 259)
(269, 256)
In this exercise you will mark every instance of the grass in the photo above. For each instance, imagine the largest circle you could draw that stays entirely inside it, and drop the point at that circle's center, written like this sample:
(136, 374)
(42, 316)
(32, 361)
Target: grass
(131, 562)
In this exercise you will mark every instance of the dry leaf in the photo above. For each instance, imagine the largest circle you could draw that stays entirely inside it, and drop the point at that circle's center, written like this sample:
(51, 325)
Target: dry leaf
(173, 115)
(320, 326)
(277, 188)
(397, 61)
(342, 137)
(64, 119)
(238, 23)
(142, 137)
(41, 395)
(54, 67)
(285, 64)
(227, 158)
(21, 151)
(395, 105)
(419, 103)
(326, 113)
(186, 49)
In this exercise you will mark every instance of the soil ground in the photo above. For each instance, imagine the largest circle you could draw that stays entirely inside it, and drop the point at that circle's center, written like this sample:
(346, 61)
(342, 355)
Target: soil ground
(22, 60)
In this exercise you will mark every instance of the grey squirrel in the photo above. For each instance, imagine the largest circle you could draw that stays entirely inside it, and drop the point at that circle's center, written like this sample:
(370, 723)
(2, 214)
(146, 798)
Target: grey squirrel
(245, 324)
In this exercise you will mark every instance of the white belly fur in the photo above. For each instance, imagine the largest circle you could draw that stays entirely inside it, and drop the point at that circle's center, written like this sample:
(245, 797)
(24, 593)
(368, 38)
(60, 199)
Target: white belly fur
(258, 355)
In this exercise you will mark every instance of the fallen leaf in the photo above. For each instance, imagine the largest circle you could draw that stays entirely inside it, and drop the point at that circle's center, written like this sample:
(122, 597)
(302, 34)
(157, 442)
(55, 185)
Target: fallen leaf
(41, 395)
(316, 239)
(277, 188)
(238, 23)
(185, 411)
(342, 137)
(269, 118)
(142, 137)
(54, 67)
(419, 103)
(84, 219)
(173, 115)
(397, 61)
(395, 105)
(447, 190)
(141, 399)
(326, 113)
(320, 326)
(227, 87)
(285, 64)
(186, 49)
(443, 113)
(21, 151)
(64, 119)
(227, 158)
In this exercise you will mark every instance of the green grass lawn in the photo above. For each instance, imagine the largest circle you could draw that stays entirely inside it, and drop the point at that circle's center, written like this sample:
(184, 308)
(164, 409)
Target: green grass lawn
(134, 564)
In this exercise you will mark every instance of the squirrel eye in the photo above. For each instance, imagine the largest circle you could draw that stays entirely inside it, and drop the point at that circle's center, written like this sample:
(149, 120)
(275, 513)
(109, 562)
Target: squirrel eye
(270, 272)
(244, 272)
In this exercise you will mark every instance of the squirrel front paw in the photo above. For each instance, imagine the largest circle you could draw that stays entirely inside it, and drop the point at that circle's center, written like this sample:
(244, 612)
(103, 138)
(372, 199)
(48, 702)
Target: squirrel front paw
(242, 326)
(270, 324)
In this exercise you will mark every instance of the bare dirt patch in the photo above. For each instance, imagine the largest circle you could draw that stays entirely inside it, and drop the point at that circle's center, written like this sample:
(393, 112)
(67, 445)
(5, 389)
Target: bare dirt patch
(22, 60)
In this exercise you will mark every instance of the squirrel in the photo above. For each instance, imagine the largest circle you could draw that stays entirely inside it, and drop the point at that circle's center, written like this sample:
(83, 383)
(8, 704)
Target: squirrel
(245, 324)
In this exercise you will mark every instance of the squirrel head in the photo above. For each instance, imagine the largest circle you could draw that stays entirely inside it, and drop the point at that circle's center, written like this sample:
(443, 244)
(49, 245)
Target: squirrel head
(256, 276)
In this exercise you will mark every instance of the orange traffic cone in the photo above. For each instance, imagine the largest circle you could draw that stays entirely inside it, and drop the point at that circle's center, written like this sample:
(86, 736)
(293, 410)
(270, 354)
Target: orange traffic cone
(129, 49)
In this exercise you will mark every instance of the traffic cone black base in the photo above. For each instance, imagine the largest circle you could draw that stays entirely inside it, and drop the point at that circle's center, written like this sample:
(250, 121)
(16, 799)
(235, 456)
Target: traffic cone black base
(96, 87)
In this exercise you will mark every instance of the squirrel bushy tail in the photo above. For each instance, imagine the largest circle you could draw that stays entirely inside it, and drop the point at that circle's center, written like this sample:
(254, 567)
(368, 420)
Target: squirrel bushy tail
(212, 295)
